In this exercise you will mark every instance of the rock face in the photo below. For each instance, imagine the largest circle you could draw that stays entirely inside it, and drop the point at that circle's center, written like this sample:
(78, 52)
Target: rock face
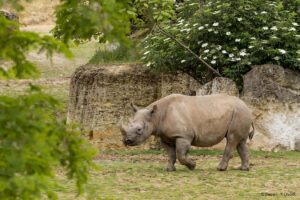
(100, 95)
(273, 93)
(217, 86)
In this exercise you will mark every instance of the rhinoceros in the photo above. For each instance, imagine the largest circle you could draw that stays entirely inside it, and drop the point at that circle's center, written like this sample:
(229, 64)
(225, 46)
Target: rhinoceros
(183, 121)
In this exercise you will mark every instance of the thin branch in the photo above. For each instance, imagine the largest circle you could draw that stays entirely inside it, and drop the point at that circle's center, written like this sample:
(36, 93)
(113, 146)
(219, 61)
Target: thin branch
(189, 50)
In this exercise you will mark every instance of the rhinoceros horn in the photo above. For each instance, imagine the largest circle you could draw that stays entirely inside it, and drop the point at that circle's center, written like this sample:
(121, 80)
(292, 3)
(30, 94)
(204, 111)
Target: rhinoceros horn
(122, 127)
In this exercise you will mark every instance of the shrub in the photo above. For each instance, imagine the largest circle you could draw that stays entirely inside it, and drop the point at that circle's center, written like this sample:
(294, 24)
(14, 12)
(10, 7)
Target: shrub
(231, 36)
(115, 54)
(34, 143)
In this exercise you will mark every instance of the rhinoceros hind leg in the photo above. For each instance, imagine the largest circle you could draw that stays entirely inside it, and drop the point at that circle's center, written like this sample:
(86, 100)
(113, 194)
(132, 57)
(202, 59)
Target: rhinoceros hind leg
(244, 153)
(182, 149)
(172, 157)
(228, 154)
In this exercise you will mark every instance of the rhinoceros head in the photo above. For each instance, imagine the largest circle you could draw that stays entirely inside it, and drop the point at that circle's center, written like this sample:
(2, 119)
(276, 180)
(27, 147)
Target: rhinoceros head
(140, 128)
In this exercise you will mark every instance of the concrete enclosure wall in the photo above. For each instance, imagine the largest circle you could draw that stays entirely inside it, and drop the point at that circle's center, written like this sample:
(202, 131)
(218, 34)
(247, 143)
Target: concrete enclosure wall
(100, 95)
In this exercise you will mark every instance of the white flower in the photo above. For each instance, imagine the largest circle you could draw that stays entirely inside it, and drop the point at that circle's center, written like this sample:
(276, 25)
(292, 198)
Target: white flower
(144, 57)
(228, 33)
(282, 51)
(182, 61)
(298, 36)
(239, 19)
(250, 47)
(243, 53)
(263, 12)
(255, 12)
(148, 64)
(216, 12)
(200, 28)
(214, 57)
(292, 29)
(224, 51)
(274, 37)
(210, 30)
(195, 24)
(237, 40)
(249, 63)
(238, 59)
(166, 39)
(216, 32)
(204, 45)
(216, 24)
(298, 59)
(295, 24)
(206, 25)
(205, 58)
(186, 25)
(199, 42)
(219, 47)
(146, 52)
(276, 58)
(274, 28)
(213, 62)
(206, 51)
(298, 52)
(253, 38)
(231, 55)
(265, 28)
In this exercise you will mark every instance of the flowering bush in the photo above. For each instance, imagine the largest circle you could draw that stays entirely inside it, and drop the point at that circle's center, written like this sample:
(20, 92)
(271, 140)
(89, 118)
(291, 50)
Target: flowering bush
(231, 36)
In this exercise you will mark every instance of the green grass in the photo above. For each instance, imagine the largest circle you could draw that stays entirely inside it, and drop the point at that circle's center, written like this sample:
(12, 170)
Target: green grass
(122, 54)
(139, 175)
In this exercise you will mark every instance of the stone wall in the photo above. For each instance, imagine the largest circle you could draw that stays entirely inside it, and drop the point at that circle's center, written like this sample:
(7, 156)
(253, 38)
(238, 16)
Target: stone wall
(273, 93)
(100, 95)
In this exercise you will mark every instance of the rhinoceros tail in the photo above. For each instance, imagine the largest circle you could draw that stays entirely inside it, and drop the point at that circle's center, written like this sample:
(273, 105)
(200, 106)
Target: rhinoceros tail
(251, 134)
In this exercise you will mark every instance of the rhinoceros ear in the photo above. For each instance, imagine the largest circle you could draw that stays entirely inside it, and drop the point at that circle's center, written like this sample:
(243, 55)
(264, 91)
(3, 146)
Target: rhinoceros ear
(153, 109)
(134, 108)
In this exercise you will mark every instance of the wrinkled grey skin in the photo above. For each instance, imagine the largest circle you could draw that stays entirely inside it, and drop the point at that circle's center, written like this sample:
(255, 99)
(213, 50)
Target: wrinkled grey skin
(181, 121)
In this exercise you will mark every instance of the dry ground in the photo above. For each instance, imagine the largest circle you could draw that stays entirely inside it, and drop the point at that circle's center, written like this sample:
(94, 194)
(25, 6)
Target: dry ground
(139, 175)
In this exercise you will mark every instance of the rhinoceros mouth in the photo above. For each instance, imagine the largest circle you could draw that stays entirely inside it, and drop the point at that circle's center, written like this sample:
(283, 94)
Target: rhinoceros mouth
(129, 142)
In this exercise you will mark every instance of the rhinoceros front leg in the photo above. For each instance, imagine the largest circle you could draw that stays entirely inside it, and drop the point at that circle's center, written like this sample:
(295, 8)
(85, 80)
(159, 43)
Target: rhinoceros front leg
(172, 157)
(182, 149)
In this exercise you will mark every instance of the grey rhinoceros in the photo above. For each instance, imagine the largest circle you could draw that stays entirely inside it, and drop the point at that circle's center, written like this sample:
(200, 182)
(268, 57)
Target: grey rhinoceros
(203, 121)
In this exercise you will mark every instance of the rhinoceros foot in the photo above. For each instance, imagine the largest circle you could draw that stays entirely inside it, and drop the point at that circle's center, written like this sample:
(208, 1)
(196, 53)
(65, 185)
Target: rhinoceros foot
(170, 168)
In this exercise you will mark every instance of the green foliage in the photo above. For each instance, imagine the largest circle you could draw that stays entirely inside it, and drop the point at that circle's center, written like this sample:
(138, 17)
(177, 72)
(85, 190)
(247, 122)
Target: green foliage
(99, 19)
(34, 143)
(116, 53)
(145, 12)
(14, 44)
(231, 36)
